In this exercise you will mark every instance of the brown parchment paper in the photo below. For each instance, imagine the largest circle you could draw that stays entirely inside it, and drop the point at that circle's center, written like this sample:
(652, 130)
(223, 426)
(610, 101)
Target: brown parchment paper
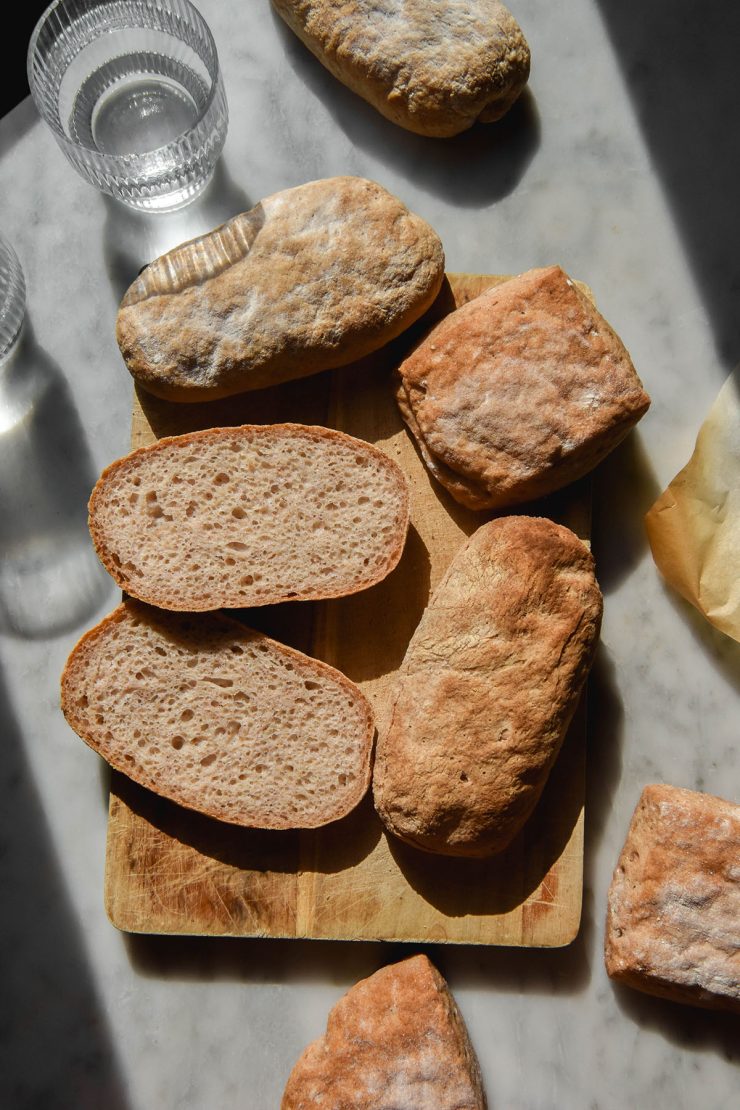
(694, 526)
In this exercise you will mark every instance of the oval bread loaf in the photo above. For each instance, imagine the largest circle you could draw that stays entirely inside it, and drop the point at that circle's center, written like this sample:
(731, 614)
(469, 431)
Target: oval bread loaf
(434, 67)
(488, 687)
(519, 392)
(310, 279)
(219, 718)
(234, 517)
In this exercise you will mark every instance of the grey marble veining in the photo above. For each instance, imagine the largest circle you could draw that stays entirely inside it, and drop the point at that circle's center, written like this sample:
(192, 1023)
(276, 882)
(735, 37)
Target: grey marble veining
(610, 166)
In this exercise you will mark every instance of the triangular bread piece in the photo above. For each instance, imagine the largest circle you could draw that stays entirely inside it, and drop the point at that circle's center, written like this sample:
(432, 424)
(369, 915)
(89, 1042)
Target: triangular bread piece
(396, 1039)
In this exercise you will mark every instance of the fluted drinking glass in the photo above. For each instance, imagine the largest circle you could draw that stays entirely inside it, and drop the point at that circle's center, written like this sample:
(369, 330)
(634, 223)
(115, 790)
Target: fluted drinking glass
(12, 298)
(133, 94)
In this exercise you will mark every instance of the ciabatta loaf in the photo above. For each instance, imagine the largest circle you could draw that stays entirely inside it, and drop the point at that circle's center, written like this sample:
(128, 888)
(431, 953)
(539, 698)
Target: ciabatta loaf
(488, 687)
(673, 922)
(396, 1041)
(311, 278)
(434, 67)
(234, 517)
(519, 392)
(219, 718)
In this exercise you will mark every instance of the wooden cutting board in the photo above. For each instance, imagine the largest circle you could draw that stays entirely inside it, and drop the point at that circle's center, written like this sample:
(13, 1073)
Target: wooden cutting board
(169, 870)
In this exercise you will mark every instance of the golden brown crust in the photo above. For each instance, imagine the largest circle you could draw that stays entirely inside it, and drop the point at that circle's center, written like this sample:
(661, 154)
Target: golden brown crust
(488, 687)
(434, 67)
(520, 391)
(106, 527)
(310, 279)
(673, 919)
(396, 1039)
(100, 664)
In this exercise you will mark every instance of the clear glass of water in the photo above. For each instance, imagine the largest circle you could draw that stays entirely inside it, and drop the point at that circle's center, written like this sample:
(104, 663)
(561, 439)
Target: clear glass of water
(133, 94)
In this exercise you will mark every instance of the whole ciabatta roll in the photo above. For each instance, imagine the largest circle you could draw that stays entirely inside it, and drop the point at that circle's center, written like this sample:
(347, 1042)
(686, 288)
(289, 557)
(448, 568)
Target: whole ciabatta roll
(235, 517)
(519, 392)
(311, 278)
(219, 718)
(488, 687)
(434, 67)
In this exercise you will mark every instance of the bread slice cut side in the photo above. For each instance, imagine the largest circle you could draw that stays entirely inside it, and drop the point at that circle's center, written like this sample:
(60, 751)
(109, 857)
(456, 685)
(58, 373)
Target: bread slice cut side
(219, 718)
(396, 1039)
(235, 517)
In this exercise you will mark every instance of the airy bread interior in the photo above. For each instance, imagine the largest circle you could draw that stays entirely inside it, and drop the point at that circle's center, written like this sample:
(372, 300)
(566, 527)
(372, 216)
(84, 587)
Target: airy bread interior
(234, 517)
(220, 718)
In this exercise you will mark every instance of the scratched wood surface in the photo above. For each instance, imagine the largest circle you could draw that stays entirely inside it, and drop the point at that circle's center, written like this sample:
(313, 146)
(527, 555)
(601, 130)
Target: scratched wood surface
(169, 870)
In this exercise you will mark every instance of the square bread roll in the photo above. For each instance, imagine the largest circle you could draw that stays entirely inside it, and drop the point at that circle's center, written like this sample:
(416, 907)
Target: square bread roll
(673, 919)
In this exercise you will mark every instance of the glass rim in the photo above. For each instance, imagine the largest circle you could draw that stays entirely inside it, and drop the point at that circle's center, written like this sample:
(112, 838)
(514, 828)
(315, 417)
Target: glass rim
(54, 122)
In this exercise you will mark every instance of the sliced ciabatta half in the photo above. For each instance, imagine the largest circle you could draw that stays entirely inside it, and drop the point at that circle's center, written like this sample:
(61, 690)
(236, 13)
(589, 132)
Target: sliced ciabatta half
(235, 517)
(219, 718)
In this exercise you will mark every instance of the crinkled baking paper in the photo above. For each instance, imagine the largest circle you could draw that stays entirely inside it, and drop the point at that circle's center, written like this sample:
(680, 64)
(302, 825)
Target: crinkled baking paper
(694, 526)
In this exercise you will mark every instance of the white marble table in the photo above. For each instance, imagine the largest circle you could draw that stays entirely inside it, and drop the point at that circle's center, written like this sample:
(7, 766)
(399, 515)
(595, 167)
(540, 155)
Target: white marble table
(622, 166)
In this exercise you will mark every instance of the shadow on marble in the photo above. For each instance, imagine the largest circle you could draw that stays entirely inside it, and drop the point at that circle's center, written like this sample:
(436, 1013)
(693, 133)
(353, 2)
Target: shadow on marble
(50, 578)
(722, 650)
(562, 971)
(603, 773)
(57, 1047)
(690, 126)
(473, 169)
(624, 488)
(258, 961)
(132, 239)
(690, 1028)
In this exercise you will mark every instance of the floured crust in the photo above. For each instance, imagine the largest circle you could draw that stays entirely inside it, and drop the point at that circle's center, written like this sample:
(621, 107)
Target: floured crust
(219, 718)
(434, 67)
(519, 392)
(395, 1040)
(253, 515)
(673, 919)
(469, 493)
(310, 279)
(488, 687)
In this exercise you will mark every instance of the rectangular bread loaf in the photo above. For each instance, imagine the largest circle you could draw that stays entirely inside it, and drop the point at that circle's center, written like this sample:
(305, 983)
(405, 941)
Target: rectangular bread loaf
(673, 920)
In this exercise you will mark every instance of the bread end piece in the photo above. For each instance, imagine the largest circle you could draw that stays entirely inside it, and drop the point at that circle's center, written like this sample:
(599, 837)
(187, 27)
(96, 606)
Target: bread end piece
(673, 917)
